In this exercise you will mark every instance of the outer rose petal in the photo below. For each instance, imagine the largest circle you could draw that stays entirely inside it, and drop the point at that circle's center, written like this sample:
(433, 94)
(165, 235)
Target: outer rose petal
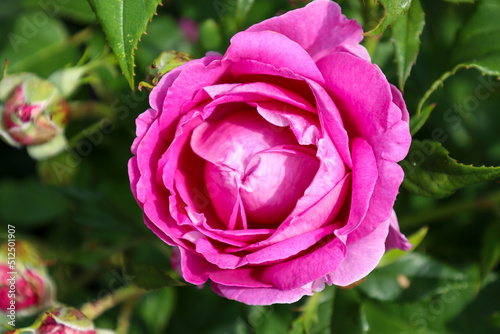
(295, 273)
(281, 52)
(360, 91)
(397, 98)
(396, 239)
(361, 257)
(319, 28)
(262, 296)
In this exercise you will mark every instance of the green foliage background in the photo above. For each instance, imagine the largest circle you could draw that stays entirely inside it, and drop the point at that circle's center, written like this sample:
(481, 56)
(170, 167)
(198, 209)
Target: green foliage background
(85, 221)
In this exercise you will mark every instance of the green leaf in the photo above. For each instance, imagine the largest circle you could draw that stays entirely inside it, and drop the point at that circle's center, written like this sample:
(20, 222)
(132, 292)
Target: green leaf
(37, 48)
(28, 203)
(429, 171)
(384, 318)
(156, 308)
(164, 33)
(147, 269)
(150, 277)
(393, 9)
(241, 11)
(348, 313)
(478, 314)
(124, 22)
(406, 37)
(316, 315)
(460, 1)
(269, 319)
(478, 42)
(395, 254)
(74, 10)
(411, 278)
(210, 35)
(477, 46)
(418, 121)
(490, 252)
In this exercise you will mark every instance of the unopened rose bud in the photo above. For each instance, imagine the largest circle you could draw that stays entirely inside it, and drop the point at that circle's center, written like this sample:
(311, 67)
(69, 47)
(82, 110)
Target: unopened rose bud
(25, 288)
(32, 113)
(60, 320)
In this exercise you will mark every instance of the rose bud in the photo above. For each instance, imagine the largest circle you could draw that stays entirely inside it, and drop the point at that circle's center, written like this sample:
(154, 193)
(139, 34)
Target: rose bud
(33, 113)
(61, 320)
(24, 285)
(273, 169)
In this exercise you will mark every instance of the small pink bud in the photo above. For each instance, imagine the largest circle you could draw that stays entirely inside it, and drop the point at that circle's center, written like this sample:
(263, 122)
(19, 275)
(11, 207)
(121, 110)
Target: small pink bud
(25, 289)
(61, 320)
(33, 113)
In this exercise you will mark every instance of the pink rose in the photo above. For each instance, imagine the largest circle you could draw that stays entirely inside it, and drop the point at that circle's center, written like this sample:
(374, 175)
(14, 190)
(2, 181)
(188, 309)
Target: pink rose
(273, 168)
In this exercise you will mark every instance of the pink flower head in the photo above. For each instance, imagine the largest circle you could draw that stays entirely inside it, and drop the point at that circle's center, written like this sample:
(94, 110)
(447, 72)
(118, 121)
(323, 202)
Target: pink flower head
(273, 168)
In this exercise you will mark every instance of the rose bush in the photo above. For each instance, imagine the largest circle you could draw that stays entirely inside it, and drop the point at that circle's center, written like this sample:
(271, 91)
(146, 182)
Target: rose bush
(273, 169)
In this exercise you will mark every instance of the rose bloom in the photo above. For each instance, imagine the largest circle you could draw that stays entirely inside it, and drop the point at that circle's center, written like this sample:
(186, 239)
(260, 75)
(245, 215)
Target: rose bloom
(273, 169)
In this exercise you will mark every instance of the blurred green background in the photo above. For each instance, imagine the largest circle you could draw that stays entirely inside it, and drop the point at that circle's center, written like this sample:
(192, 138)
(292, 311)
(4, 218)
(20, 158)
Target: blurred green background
(90, 229)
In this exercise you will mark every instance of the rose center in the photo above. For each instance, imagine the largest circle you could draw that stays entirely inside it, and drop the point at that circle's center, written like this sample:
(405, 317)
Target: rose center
(274, 180)
(255, 171)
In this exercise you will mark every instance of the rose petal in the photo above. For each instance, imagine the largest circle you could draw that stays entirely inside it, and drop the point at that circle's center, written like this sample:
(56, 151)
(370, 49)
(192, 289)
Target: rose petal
(154, 199)
(261, 296)
(320, 28)
(304, 125)
(257, 91)
(322, 212)
(179, 98)
(223, 183)
(360, 91)
(331, 122)
(274, 180)
(361, 257)
(397, 99)
(364, 177)
(289, 247)
(142, 124)
(308, 267)
(250, 70)
(395, 239)
(233, 140)
(280, 52)
(389, 179)
(393, 145)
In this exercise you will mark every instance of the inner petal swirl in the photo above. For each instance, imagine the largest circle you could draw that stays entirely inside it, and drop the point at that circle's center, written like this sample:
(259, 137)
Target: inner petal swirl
(255, 171)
